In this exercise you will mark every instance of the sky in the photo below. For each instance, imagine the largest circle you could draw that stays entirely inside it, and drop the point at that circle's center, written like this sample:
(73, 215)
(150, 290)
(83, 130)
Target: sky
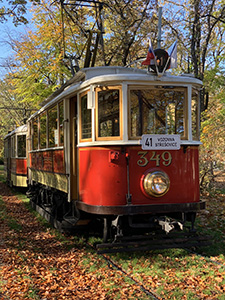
(8, 28)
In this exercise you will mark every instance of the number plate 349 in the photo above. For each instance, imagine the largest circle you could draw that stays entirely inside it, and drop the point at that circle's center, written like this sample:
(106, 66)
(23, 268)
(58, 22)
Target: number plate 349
(165, 158)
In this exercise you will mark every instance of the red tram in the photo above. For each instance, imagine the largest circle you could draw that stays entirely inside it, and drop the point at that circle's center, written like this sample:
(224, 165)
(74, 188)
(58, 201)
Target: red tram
(15, 157)
(120, 145)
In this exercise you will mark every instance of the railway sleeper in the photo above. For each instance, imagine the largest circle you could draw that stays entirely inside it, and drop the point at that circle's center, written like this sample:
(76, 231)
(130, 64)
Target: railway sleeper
(153, 242)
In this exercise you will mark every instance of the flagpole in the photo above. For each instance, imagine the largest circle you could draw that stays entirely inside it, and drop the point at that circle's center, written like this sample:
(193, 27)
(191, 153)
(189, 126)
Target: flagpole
(159, 28)
(159, 37)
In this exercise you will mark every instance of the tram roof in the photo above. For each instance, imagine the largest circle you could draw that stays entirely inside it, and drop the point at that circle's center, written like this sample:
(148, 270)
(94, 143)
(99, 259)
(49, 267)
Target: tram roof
(109, 74)
(138, 74)
(21, 129)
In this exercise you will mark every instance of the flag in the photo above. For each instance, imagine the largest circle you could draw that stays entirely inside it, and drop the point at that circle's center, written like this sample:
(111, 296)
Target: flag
(172, 51)
(150, 55)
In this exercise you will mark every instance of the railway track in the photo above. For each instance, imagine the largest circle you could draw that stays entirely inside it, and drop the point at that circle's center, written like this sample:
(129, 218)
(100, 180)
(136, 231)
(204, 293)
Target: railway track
(145, 289)
(205, 257)
(148, 291)
(111, 263)
(154, 242)
(130, 244)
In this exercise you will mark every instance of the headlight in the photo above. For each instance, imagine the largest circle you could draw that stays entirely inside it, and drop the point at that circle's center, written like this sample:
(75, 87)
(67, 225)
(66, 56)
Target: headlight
(156, 183)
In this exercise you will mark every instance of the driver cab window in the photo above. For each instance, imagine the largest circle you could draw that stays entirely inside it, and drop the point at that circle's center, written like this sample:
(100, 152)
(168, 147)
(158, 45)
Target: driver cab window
(157, 110)
(85, 119)
(108, 113)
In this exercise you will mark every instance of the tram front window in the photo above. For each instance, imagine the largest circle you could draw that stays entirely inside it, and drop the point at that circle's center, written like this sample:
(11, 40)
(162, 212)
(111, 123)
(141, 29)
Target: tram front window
(109, 113)
(86, 128)
(157, 111)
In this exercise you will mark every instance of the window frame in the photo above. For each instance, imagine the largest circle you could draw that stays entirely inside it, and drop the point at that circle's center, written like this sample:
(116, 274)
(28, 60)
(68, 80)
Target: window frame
(32, 132)
(59, 144)
(197, 137)
(80, 118)
(46, 136)
(37, 119)
(13, 146)
(109, 138)
(53, 107)
(156, 87)
(17, 144)
(61, 130)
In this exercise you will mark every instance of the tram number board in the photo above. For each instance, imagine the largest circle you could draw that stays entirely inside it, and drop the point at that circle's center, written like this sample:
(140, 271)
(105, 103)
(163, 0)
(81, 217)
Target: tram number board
(160, 142)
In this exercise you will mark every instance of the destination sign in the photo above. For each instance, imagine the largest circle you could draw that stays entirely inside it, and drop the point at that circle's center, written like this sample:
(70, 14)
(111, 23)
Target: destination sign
(160, 142)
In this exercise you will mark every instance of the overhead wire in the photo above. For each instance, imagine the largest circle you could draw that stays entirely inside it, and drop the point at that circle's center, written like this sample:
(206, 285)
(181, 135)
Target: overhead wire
(85, 32)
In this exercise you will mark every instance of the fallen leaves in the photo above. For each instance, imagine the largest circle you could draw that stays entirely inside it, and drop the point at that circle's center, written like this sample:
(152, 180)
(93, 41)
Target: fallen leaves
(34, 264)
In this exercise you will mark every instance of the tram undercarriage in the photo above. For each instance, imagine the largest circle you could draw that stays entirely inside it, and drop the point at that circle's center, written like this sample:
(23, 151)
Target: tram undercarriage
(118, 232)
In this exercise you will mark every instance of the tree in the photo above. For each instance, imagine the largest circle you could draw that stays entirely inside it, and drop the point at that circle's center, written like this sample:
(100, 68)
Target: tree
(13, 113)
(39, 67)
(127, 26)
(43, 57)
(213, 137)
(199, 27)
(16, 10)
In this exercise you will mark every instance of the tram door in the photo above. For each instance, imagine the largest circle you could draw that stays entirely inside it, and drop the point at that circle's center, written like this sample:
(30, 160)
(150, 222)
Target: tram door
(73, 148)
(9, 154)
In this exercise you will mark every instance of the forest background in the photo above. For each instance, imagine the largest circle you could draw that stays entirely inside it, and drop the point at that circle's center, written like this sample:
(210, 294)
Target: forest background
(62, 36)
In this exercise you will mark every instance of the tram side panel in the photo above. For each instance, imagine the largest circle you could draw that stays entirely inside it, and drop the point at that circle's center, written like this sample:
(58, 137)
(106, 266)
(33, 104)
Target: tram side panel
(102, 176)
(48, 168)
(15, 159)
(19, 172)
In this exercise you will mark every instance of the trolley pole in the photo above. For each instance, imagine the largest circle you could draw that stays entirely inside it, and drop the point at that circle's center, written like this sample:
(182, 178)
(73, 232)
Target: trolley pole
(159, 28)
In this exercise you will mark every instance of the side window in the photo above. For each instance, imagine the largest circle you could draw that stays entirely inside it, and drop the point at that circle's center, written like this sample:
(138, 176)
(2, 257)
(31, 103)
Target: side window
(43, 133)
(108, 112)
(61, 119)
(47, 129)
(195, 115)
(21, 145)
(85, 118)
(35, 134)
(13, 146)
(52, 127)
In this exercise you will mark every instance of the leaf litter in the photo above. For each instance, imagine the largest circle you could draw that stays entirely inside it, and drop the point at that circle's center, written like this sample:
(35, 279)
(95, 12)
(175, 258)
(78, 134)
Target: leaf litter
(35, 264)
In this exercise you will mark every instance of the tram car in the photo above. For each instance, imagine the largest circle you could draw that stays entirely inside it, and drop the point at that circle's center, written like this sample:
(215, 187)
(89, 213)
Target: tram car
(15, 157)
(120, 145)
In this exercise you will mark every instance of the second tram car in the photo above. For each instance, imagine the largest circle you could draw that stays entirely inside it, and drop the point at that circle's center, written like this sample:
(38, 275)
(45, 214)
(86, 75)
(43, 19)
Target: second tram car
(15, 157)
(117, 144)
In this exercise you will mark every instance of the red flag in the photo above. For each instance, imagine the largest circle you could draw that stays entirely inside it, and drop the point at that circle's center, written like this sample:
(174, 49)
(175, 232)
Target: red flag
(150, 55)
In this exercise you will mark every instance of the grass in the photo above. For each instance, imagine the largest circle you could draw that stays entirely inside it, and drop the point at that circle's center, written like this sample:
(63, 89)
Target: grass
(172, 274)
